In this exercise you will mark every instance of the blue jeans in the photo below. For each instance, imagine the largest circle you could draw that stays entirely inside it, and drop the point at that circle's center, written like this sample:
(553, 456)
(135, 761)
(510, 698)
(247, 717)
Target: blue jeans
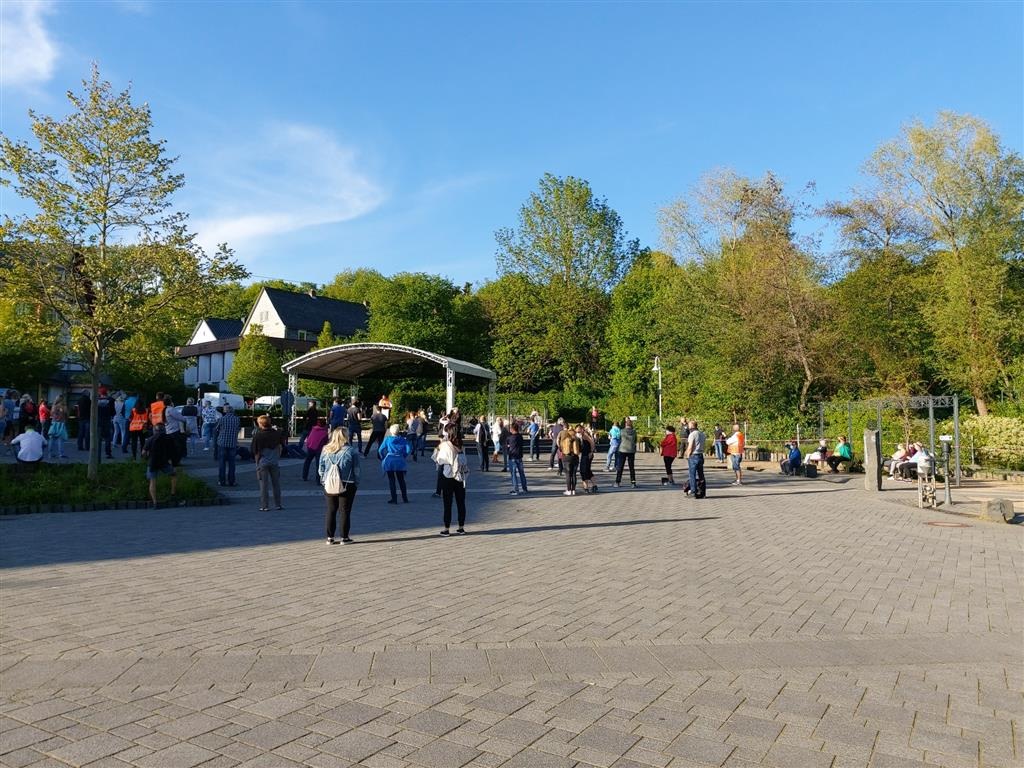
(613, 449)
(208, 427)
(533, 448)
(226, 461)
(719, 452)
(514, 466)
(696, 465)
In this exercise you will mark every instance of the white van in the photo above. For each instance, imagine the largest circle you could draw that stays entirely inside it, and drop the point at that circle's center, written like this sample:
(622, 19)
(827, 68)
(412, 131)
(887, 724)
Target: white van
(217, 399)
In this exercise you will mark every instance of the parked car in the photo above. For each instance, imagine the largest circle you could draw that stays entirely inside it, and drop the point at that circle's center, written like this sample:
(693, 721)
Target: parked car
(267, 402)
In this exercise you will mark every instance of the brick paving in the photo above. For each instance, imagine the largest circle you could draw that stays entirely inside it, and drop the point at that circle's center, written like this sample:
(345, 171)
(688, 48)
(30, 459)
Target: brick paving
(785, 623)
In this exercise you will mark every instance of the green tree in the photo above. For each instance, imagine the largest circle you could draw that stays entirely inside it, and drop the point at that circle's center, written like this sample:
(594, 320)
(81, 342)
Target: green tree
(567, 237)
(104, 252)
(31, 351)
(967, 192)
(417, 310)
(256, 370)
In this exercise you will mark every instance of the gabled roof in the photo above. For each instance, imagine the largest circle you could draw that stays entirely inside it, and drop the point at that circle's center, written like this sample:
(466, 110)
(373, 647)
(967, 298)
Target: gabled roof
(222, 328)
(304, 312)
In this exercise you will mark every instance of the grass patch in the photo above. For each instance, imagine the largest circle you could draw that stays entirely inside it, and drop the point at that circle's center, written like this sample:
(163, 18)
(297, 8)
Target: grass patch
(66, 484)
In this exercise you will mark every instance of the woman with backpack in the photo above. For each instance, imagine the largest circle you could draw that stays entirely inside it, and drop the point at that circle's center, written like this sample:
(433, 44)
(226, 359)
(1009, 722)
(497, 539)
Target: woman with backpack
(339, 475)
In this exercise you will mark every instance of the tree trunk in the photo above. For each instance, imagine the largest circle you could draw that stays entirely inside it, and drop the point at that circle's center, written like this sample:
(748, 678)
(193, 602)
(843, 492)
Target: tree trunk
(94, 420)
(981, 404)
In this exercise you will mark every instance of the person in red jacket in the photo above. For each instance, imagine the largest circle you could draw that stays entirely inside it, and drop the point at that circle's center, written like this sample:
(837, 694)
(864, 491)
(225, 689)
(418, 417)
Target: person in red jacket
(669, 451)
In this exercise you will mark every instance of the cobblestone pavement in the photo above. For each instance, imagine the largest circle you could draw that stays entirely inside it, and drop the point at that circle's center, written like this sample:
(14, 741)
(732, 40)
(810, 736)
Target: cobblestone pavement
(784, 623)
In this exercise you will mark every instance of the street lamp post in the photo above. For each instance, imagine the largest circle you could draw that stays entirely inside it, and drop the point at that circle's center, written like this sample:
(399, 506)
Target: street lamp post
(657, 369)
(946, 440)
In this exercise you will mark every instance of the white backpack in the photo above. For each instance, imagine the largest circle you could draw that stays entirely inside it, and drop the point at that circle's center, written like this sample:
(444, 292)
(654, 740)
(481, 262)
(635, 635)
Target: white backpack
(332, 481)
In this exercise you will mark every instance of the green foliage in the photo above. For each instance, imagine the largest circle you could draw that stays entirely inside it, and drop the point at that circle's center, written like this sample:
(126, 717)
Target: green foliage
(998, 440)
(115, 484)
(31, 349)
(98, 181)
(256, 370)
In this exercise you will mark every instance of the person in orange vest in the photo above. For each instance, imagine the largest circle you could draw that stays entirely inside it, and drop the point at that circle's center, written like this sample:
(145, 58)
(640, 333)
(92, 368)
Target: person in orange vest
(735, 445)
(138, 420)
(156, 410)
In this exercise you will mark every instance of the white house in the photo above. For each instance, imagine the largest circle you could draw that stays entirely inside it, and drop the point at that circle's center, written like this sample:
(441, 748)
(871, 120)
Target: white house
(290, 321)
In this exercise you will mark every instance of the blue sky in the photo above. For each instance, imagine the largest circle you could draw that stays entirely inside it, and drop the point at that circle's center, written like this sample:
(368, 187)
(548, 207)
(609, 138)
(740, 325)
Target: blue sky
(320, 136)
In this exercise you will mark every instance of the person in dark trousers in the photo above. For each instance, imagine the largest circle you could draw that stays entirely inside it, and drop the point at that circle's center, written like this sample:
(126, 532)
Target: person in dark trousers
(451, 462)
(392, 453)
(82, 412)
(309, 420)
(694, 455)
(378, 428)
(338, 453)
(570, 448)
(338, 415)
(226, 438)
(588, 446)
(482, 430)
(355, 425)
(514, 457)
(669, 451)
(315, 441)
(266, 452)
(105, 421)
(626, 454)
(553, 433)
(159, 452)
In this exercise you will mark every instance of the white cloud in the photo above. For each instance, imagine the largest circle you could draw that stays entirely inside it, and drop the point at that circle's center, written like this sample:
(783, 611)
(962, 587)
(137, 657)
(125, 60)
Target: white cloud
(28, 54)
(291, 177)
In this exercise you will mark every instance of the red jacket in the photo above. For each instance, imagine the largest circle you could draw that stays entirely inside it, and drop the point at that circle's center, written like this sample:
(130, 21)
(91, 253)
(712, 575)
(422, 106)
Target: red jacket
(670, 446)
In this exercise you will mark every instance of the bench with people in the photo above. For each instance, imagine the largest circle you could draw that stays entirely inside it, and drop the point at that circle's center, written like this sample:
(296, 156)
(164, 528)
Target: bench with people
(796, 464)
(907, 461)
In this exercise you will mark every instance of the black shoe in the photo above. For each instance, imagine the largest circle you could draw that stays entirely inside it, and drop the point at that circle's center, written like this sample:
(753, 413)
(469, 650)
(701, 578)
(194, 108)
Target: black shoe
(460, 531)
(445, 533)
(633, 484)
(347, 541)
(392, 501)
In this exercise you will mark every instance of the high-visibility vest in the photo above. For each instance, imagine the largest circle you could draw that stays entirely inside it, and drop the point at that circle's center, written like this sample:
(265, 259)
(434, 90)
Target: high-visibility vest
(139, 421)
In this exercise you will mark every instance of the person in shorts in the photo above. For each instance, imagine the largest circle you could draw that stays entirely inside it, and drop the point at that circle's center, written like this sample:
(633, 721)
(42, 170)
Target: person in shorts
(735, 444)
(159, 452)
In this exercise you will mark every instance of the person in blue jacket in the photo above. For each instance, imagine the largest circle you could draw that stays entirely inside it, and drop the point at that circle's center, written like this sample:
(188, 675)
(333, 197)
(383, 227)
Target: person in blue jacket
(392, 453)
(791, 464)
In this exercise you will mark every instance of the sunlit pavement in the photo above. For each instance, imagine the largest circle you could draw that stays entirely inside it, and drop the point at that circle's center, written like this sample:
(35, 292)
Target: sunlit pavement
(787, 622)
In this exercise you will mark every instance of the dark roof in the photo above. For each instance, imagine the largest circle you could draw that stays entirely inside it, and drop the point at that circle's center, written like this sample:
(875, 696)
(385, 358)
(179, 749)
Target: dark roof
(222, 328)
(304, 312)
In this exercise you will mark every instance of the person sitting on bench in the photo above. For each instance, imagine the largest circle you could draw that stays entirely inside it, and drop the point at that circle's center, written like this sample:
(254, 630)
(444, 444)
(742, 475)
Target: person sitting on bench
(791, 464)
(842, 453)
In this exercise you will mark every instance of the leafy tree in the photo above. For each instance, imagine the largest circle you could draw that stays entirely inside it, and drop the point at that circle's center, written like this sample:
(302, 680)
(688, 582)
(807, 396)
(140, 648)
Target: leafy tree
(31, 351)
(104, 252)
(357, 285)
(967, 192)
(256, 369)
(417, 310)
(567, 237)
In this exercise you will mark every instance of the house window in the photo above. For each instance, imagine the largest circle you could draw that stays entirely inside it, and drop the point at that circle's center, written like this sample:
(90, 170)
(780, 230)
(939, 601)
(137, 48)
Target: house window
(303, 336)
(264, 315)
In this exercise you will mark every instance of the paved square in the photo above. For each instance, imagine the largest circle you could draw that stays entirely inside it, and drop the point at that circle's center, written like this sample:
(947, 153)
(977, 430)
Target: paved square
(784, 623)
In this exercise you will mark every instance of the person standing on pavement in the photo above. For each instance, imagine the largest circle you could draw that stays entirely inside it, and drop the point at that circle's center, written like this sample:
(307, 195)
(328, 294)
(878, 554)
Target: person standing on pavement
(82, 408)
(588, 445)
(338, 415)
(569, 448)
(267, 445)
(120, 421)
(355, 425)
(339, 454)
(138, 421)
(626, 454)
(392, 453)
(669, 451)
(190, 413)
(226, 438)
(58, 431)
(719, 443)
(210, 416)
(614, 438)
(385, 407)
(105, 421)
(378, 428)
(694, 456)
(452, 467)
(534, 431)
(514, 456)
(553, 433)
(735, 444)
(315, 441)
(176, 428)
(482, 434)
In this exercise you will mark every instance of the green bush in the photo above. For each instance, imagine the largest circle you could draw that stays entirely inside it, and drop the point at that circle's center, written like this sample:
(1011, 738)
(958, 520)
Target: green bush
(67, 484)
(998, 441)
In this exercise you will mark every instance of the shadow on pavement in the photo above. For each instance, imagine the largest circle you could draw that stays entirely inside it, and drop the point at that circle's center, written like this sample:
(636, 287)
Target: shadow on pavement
(536, 529)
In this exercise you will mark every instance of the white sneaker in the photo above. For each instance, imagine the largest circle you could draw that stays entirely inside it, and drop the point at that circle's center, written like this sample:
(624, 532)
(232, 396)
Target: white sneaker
(567, 493)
